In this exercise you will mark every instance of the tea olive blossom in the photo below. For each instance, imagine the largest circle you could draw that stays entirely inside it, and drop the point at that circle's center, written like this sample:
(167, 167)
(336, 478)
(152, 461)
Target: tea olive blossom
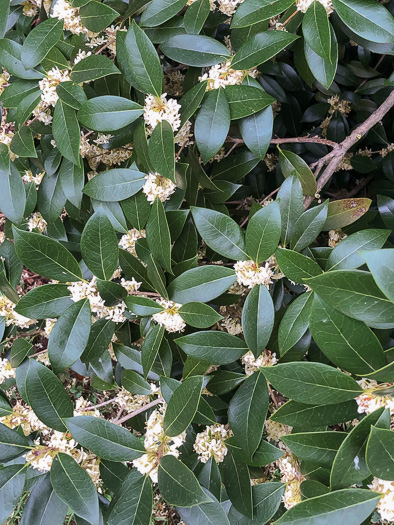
(158, 186)
(211, 443)
(157, 444)
(371, 399)
(249, 273)
(303, 5)
(386, 503)
(252, 364)
(222, 75)
(6, 371)
(128, 240)
(7, 310)
(169, 318)
(157, 109)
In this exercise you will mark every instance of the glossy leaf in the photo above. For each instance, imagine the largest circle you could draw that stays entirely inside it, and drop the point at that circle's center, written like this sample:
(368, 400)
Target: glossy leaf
(258, 319)
(183, 406)
(291, 164)
(115, 185)
(263, 233)
(312, 383)
(216, 348)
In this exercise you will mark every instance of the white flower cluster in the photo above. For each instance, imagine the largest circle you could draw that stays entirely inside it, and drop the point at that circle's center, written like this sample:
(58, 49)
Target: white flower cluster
(158, 186)
(42, 456)
(95, 155)
(169, 318)
(22, 415)
(82, 290)
(131, 402)
(184, 135)
(249, 273)
(276, 430)
(4, 78)
(127, 241)
(335, 237)
(371, 401)
(221, 75)
(49, 324)
(81, 55)
(302, 5)
(49, 84)
(211, 443)
(291, 475)
(7, 133)
(37, 222)
(252, 364)
(6, 371)
(386, 503)
(158, 109)
(157, 444)
(12, 317)
(232, 325)
(29, 177)
(72, 21)
(228, 7)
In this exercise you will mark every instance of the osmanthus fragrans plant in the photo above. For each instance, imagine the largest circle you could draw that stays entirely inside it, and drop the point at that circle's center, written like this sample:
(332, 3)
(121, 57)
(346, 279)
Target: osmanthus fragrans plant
(196, 273)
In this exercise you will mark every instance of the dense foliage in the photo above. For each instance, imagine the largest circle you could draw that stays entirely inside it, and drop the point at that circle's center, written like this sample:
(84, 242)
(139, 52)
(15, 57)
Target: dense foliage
(196, 274)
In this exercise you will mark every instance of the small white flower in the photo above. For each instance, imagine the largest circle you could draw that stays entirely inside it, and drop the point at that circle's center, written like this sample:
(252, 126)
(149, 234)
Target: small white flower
(249, 273)
(37, 222)
(211, 443)
(252, 364)
(222, 75)
(228, 7)
(169, 318)
(302, 5)
(12, 317)
(158, 109)
(6, 370)
(386, 503)
(49, 84)
(127, 242)
(158, 186)
(81, 55)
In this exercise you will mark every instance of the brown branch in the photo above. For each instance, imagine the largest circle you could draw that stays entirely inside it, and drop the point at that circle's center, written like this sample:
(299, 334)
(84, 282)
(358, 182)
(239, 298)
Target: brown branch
(335, 157)
(292, 140)
(140, 410)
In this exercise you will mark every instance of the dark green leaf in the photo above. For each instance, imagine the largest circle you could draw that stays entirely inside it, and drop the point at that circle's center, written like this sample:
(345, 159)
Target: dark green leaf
(354, 293)
(162, 150)
(183, 406)
(349, 465)
(247, 412)
(71, 94)
(45, 301)
(312, 383)
(108, 113)
(237, 483)
(260, 48)
(143, 61)
(219, 348)
(212, 123)
(46, 257)
(106, 440)
(100, 337)
(381, 265)
(258, 319)
(221, 233)
(366, 19)
(345, 256)
(12, 195)
(40, 41)
(291, 164)
(316, 29)
(195, 50)
(158, 235)
(115, 185)
(73, 485)
(351, 506)
(99, 245)
(92, 68)
(295, 322)
(199, 315)
(96, 16)
(380, 453)
(12, 479)
(134, 502)
(290, 203)
(318, 447)
(195, 16)
(159, 11)
(308, 227)
(263, 233)
(348, 343)
(66, 132)
(178, 485)
(23, 143)
(47, 396)
(12, 444)
(266, 500)
(69, 336)
(256, 130)
(151, 347)
(252, 12)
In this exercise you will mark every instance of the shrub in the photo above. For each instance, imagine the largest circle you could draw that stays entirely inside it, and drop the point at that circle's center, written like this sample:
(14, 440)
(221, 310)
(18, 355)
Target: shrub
(196, 272)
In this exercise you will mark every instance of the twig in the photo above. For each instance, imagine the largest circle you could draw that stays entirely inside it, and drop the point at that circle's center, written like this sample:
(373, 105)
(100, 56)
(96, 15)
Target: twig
(28, 334)
(273, 396)
(292, 140)
(334, 158)
(93, 407)
(354, 191)
(38, 353)
(140, 410)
